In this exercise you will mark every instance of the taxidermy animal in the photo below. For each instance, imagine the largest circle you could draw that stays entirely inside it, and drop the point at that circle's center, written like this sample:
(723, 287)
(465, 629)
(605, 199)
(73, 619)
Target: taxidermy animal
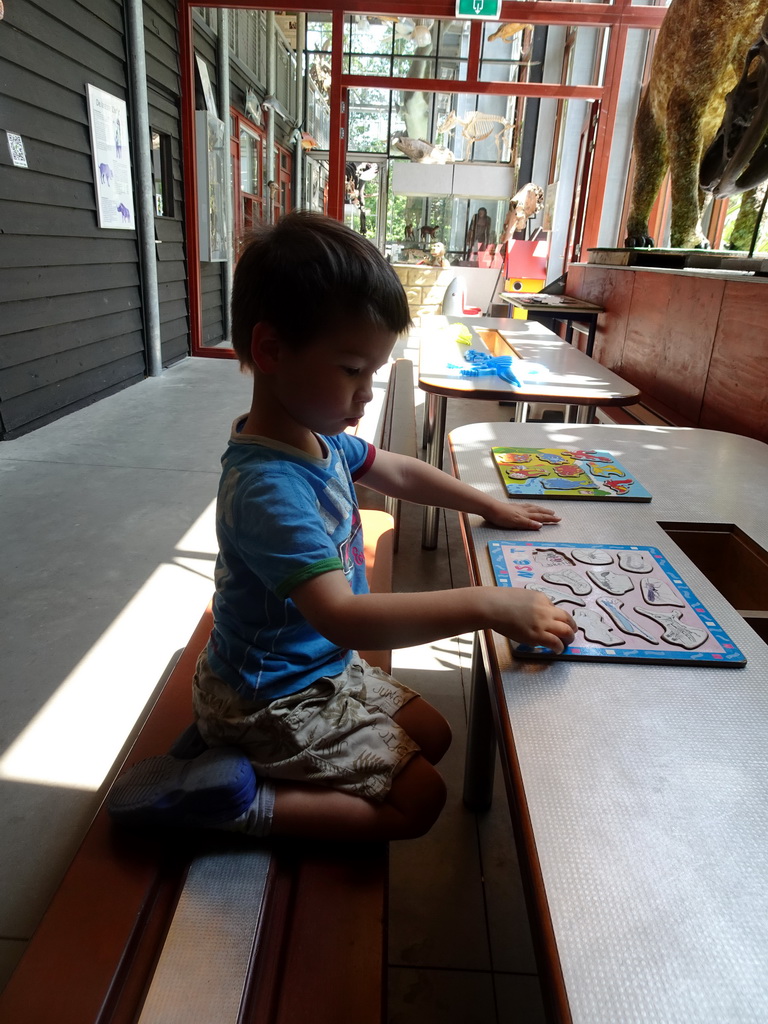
(522, 206)
(698, 58)
(737, 160)
(356, 176)
(436, 256)
(476, 126)
(419, 151)
(427, 231)
(507, 31)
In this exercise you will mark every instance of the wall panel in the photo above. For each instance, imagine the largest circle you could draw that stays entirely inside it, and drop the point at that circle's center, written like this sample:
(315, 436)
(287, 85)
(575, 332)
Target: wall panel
(70, 301)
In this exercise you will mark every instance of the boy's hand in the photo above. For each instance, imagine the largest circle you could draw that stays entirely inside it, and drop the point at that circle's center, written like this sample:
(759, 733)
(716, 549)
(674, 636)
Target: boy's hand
(519, 515)
(529, 617)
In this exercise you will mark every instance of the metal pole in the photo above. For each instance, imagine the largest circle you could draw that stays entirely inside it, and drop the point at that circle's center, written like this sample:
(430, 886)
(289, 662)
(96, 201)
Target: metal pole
(298, 157)
(270, 162)
(222, 61)
(145, 197)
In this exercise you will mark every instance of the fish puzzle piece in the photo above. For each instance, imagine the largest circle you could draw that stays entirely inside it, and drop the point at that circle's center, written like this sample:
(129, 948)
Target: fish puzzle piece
(597, 628)
(613, 607)
(555, 596)
(506, 458)
(604, 469)
(635, 561)
(552, 458)
(619, 486)
(551, 557)
(656, 591)
(613, 582)
(590, 456)
(525, 472)
(676, 632)
(568, 578)
(591, 556)
(558, 484)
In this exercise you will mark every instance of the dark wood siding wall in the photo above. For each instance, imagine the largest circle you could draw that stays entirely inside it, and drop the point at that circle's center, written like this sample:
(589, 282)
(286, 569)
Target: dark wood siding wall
(71, 313)
(164, 90)
(70, 304)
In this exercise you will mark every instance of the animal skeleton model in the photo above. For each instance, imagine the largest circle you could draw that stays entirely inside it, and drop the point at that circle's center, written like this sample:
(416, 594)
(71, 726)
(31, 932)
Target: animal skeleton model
(476, 126)
(698, 58)
(419, 151)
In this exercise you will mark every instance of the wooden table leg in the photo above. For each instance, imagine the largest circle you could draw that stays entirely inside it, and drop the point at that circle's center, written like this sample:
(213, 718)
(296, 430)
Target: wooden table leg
(435, 439)
(591, 335)
(481, 739)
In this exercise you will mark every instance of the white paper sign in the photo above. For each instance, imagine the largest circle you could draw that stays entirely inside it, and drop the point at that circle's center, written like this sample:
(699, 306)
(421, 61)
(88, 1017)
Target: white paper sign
(16, 147)
(111, 160)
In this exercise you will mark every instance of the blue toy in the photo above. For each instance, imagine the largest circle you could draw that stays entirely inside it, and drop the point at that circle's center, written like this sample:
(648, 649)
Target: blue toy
(485, 365)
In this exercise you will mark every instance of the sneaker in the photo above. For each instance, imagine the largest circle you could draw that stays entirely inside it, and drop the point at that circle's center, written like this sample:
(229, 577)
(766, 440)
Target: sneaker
(205, 792)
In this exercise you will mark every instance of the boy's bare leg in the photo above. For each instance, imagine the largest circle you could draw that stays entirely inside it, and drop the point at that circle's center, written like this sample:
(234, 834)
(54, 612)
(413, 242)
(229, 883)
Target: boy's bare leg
(415, 800)
(426, 726)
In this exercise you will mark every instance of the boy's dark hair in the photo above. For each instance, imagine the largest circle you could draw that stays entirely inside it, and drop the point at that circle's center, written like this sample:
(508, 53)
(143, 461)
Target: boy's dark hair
(306, 275)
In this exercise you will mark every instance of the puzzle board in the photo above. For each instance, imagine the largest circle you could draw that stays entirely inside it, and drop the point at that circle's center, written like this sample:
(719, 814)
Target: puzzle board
(566, 473)
(629, 602)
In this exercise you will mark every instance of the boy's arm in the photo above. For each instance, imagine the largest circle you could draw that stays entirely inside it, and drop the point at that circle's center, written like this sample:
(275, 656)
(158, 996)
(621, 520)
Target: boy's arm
(378, 622)
(401, 476)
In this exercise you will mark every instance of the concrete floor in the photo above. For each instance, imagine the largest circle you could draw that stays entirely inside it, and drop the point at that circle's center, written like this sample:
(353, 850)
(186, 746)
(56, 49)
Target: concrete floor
(106, 527)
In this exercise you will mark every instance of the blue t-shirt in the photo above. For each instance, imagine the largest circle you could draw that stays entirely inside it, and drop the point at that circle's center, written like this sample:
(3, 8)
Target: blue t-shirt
(283, 517)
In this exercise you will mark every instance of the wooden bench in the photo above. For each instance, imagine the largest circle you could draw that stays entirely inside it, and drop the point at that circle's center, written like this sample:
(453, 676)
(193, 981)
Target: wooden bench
(648, 412)
(197, 926)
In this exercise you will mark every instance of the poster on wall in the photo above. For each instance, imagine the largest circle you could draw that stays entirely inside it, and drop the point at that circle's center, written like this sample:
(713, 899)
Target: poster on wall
(110, 149)
(212, 142)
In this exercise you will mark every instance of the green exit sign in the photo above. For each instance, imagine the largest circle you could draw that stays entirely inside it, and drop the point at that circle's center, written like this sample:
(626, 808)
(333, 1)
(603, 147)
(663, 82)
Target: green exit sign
(490, 9)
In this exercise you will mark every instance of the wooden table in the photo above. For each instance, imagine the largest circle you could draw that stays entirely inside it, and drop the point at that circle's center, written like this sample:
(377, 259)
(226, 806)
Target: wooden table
(565, 376)
(565, 308)
(639, 792)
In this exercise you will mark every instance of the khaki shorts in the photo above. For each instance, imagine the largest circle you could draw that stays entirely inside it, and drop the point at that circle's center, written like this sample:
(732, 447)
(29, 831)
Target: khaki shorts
(338, 732)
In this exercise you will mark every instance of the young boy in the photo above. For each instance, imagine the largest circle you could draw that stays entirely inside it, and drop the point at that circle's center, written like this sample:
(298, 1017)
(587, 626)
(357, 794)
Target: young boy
(295, 735)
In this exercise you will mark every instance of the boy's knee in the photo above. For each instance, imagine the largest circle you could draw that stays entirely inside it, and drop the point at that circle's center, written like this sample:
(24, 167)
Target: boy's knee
(420, 794)
(434, 801)
(427, 727)
(441, 740)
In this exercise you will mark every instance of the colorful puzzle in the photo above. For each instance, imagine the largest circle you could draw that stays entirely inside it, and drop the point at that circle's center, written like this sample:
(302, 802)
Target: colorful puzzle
(566, 473)
(628, 602)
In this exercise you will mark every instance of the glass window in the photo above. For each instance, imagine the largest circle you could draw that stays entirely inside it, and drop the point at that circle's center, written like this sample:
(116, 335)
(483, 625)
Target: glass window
(551, 54)
(162, 173)
(406, 47)
(249, 162)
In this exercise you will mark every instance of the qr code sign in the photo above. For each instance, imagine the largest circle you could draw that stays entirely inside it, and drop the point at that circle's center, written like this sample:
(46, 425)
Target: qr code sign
(16, 146)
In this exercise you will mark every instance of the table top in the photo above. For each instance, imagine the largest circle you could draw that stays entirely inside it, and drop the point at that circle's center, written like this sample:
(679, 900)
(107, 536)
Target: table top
(556, 304)
(549, 369)
(645, 785)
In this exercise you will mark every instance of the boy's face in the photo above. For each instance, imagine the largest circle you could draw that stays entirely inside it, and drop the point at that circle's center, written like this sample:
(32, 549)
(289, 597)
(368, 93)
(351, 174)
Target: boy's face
(326, 384)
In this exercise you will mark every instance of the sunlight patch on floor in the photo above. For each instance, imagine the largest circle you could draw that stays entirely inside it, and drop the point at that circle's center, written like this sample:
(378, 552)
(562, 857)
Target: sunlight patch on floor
(74, 739)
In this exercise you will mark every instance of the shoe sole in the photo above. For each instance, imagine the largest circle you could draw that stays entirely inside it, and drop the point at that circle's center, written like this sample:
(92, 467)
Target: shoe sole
(209, 790)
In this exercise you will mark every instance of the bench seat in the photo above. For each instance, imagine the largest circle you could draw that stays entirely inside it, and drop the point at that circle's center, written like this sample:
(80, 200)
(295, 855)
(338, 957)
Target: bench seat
(648, 411)
(317, 932)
